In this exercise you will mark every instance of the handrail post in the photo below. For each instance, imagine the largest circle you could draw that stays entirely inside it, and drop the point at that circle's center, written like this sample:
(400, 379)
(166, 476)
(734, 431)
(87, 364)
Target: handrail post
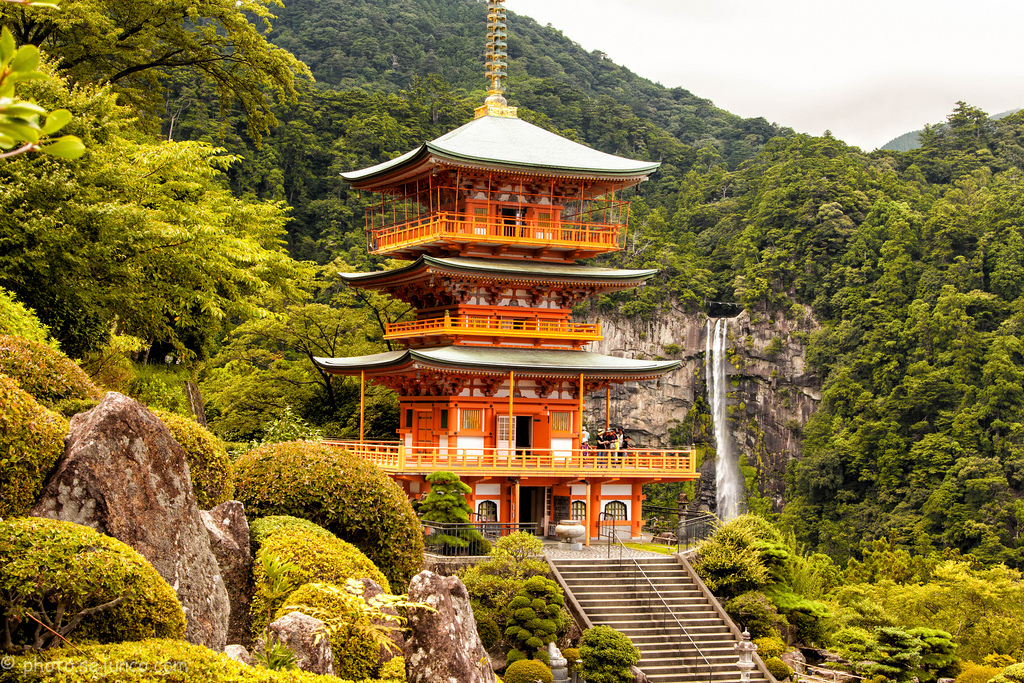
(401, 456)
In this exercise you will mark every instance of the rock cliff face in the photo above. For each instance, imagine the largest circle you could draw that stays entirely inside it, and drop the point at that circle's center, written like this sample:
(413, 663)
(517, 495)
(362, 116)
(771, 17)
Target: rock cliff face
(773, 393)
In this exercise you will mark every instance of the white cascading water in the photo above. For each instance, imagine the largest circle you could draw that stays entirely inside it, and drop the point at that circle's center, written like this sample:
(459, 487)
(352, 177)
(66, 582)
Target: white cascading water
(729, 484)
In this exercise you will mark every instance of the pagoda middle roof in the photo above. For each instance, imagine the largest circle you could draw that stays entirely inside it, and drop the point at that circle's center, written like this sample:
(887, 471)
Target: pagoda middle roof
(492, 360)
(494, 142)
(502, 269)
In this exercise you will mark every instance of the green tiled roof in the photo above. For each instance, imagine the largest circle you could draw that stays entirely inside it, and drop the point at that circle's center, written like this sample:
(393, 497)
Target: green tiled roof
(492, 141)
(503, 359)
(521, 269)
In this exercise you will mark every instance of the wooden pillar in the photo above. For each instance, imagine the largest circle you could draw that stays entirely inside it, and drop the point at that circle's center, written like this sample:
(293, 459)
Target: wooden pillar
(588, 523)
(580, 420)
(515, 504)
(636, 512)
(607, 407)
(362, 403)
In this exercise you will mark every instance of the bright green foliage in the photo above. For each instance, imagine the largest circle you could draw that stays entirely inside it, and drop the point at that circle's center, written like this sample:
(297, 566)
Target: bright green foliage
(208, 462)
(111, 366)
(755, 613)
(977, 673)
(535, 614)
(776, 667)
(514, 655)
(263, 528)
(528, 671)
(572, 655)
(393, 670)
(938, 654)
(998, 661)
(607, 656)
(446, 504)
(19, 321)
(1011, 674)
(315, 558)
(57, 571)
(27, 122)
(48, 375)
(152, 661)
(31, 442)
(160, 386)
(334, 489)
(729, 562)
(517, 555)
(769, 647)
(898, 654)
(276, 656)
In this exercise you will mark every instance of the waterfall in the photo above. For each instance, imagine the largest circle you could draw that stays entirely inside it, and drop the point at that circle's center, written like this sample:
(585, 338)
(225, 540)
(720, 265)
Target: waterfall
(728, 481)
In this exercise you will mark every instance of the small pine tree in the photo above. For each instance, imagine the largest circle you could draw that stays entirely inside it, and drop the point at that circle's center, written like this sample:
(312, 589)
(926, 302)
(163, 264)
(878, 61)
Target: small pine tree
(446, 504)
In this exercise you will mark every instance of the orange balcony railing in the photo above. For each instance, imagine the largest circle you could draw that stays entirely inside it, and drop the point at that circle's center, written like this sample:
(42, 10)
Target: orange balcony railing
(466, 229)
(396, 458)
(465, 325)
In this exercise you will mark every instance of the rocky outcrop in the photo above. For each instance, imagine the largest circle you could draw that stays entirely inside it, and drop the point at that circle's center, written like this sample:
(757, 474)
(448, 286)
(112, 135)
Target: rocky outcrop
(773, 396)
(125, 476)
(229, 540)
(299, 632)
(239, 654)
(443, 646)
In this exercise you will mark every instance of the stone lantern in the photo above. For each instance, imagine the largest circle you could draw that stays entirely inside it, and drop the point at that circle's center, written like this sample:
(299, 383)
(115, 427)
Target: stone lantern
(745, 652)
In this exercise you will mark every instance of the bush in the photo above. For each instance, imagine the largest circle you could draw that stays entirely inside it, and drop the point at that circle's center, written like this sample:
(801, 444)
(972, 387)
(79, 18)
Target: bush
(393, 670)
(486, 628)
(1011, 674)
(528, 671)
(513, 656)
(208, 462)
(70, 568)
(160, 386)
(535, 614)
(446, 504)
(31, 442)
(778, 668)
(356, 654)
(148, 661)
(607, 656)
(755, 612)
(49, 376)
(518, 555)
(572, 655)
(18, 320)
(729, 564)
(317, 558)
(342, 493)
(263, 528)
(769, 647)
(976, 673)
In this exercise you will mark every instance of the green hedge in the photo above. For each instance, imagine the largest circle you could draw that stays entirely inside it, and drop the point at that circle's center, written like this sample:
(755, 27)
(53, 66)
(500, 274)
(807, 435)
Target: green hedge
(208, 462)
(149, 661)
(48, 375)
(356, 655)
(74, 566)
(263, 528)
(528, 671)
(19, 320)
(317, 558)
(31, 442)
(342, 493)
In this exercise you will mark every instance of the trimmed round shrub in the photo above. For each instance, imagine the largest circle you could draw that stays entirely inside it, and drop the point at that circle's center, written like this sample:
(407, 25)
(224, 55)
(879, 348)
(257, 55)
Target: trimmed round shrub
(148, 661)
(208, 462)
(317, 559)
(778, 668)
(49, 376)
(607, 656)
(263, 528)
(1011, 674)
(769, 647)
(528, 671)
(757, 614)
(393, 670)
(346, 495)
(514, 655)
(19, 320)
(572, 655)
(486, 627)
(356, 655)
(31, 442)
(535, 614)
(970, 672)
(72, 568)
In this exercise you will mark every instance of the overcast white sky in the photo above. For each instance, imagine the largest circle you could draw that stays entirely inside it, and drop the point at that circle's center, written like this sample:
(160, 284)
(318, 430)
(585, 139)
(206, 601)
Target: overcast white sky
(867, 70)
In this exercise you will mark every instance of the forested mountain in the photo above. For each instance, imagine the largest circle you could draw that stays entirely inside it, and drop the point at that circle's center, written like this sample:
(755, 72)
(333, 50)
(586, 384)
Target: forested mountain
(911, 140)
(912, 264)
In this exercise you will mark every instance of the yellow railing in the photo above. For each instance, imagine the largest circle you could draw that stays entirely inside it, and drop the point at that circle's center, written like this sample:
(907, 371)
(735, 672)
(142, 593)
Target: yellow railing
(394, 458)
(464, 228)
(494, 327)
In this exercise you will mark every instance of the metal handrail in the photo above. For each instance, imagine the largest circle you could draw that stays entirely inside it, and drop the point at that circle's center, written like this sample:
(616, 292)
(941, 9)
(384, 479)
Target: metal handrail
(637, 567)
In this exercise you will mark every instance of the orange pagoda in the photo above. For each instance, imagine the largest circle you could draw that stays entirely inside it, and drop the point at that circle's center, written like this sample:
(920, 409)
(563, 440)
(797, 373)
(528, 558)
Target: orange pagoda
(494, 217)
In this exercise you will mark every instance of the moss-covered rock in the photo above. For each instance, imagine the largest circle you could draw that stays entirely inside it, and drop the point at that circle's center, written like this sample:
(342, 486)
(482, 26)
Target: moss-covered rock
(317, 558)
(31, 442)
(356, 654)
(148, 661)
(48, 375)
(72, 568)
(208, 462)
(339, 491)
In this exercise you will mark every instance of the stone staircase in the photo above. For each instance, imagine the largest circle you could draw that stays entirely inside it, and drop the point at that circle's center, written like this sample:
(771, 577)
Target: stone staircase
(604, 591)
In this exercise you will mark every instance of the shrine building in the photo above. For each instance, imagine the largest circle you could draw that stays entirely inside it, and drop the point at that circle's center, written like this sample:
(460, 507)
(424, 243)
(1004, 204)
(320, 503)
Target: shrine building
(495, 218)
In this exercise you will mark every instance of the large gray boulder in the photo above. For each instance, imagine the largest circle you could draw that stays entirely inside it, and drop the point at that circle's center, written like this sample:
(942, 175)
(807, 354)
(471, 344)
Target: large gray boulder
(124, 475)
(443, 646)
(229, 540)
(307, 638)
(371, 589)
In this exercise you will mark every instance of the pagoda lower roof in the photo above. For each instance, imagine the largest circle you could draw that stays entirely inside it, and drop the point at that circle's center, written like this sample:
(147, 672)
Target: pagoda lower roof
(489, 360)
(526, 271)
(499, 143)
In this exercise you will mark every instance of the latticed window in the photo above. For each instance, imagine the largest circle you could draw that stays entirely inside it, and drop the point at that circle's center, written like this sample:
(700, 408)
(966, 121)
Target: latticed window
(615, 510)
(579, 509)
(561, 422)
(487, 510)
(505, 426)
(472, 419)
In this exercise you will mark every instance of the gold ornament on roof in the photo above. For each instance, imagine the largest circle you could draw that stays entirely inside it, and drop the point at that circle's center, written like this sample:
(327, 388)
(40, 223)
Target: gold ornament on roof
(497, 63)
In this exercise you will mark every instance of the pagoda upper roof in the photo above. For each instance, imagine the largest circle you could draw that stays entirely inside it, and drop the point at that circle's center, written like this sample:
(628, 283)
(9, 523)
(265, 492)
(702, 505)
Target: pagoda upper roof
(496, 143)
(519, 270)
(498, 360)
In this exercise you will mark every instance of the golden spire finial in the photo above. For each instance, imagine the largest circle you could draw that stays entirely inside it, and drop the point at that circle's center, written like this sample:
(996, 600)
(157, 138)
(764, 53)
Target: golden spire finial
(497, 63)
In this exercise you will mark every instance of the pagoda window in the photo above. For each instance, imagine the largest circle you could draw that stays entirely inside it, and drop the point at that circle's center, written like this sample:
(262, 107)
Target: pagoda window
(561, 422)
(408, 418)
(472, 419)
(579, 509)
(487, 511)
(444, 419)
(615, 510)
